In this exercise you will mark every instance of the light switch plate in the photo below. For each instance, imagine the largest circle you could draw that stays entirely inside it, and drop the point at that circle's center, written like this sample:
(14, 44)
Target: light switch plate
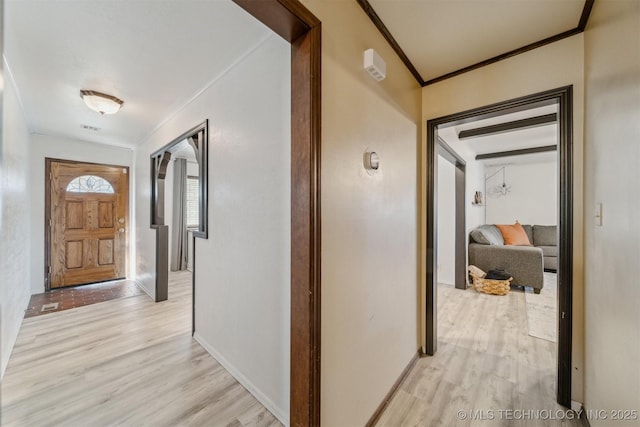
(598, 214)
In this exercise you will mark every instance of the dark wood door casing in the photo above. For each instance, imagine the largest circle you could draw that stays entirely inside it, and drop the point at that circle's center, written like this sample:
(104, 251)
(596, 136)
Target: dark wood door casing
(563, 97)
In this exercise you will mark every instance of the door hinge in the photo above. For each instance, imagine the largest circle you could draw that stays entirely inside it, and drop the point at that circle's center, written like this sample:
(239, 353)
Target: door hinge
(563, 313)
(49, 270)
(50, 223)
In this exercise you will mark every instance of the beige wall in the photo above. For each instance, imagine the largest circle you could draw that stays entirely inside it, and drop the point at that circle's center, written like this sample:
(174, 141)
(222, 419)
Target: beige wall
(552, 66)
(369, 256)
(612, 251)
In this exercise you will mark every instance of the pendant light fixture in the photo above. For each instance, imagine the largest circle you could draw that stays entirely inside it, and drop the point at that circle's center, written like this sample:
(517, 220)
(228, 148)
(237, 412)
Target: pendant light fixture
(503, 189)
(101, 102)
(500, 189)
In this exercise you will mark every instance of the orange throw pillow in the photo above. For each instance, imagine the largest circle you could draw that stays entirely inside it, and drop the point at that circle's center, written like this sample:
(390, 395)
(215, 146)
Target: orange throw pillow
(514, 235)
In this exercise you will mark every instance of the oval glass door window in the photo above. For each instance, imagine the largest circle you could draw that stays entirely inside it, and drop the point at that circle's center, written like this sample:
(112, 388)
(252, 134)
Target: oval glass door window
(90, 184)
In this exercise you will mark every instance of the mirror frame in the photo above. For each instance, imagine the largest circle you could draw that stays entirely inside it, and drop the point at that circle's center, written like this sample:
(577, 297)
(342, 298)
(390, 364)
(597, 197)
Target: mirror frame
(198, 138)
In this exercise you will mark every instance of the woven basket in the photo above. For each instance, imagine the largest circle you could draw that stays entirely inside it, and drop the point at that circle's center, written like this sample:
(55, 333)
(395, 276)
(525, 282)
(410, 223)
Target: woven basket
(491, 286)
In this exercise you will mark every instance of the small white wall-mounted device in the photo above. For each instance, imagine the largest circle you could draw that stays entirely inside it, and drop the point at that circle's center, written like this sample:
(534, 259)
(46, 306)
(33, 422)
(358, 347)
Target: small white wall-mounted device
(371, 161)
(375, 65)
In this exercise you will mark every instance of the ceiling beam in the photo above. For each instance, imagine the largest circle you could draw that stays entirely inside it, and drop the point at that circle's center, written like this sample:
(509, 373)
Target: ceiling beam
(450, 154)
(528, 123)
(511, 153)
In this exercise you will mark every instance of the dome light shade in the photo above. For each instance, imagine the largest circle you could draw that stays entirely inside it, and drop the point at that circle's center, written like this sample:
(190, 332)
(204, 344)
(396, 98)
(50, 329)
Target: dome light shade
(101, 102)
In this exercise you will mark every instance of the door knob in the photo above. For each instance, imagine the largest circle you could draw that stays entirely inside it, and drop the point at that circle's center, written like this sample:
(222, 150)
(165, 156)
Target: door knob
(121, 220)
(121, 230)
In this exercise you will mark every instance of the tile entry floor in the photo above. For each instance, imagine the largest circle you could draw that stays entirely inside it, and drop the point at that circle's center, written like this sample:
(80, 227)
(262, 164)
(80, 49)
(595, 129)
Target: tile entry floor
(78, 296)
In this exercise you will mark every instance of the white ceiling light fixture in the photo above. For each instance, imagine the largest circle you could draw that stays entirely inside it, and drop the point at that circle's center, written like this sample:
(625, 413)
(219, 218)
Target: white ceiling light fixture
(101, 102)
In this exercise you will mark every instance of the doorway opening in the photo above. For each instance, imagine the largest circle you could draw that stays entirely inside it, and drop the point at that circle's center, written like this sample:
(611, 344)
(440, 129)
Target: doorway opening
(179, 210)
(169, 204)
(302, 30)
(562, 98)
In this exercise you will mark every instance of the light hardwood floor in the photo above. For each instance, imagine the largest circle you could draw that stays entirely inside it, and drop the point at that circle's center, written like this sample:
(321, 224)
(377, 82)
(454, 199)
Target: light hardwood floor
(132, 362)
(485, 361)
(129, 362)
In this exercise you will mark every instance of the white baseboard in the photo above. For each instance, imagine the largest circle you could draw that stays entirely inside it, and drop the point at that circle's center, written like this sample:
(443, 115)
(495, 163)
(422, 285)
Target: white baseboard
(144, 288)
(246, 383)
(579, 409)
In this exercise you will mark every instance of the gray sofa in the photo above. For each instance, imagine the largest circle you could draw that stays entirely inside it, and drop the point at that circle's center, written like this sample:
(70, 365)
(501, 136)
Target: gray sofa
(545, 237)
(487, 251)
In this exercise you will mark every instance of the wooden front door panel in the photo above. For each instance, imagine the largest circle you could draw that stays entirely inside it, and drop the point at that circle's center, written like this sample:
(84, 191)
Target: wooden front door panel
(88, 223)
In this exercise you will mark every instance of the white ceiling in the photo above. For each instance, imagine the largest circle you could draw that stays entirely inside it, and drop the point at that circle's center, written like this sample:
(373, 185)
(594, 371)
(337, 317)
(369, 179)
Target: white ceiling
(155, 55)
(442, 36)
(513, 140)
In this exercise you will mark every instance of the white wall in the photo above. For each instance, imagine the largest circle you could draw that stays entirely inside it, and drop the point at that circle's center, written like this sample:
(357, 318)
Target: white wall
(548, 67)
(43, 146)
(192, 170)
(14, 220)
(474, 181)
(446, 245)
(168, 204)
(534, 193)
(190, 244)
(369, 223)
(243, 268)
(612, 152)
(474, 215)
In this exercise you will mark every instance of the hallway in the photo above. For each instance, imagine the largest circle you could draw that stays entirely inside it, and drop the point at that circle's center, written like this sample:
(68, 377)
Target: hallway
(486, 361)
(127, 362)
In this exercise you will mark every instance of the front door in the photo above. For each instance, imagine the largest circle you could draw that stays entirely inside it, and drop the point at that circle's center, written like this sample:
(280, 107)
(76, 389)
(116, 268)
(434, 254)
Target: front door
(87, 205)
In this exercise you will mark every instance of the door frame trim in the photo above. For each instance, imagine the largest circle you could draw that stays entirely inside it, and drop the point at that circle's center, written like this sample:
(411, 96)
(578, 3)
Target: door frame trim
(297, 25)
(563, 96)
(47, 212)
